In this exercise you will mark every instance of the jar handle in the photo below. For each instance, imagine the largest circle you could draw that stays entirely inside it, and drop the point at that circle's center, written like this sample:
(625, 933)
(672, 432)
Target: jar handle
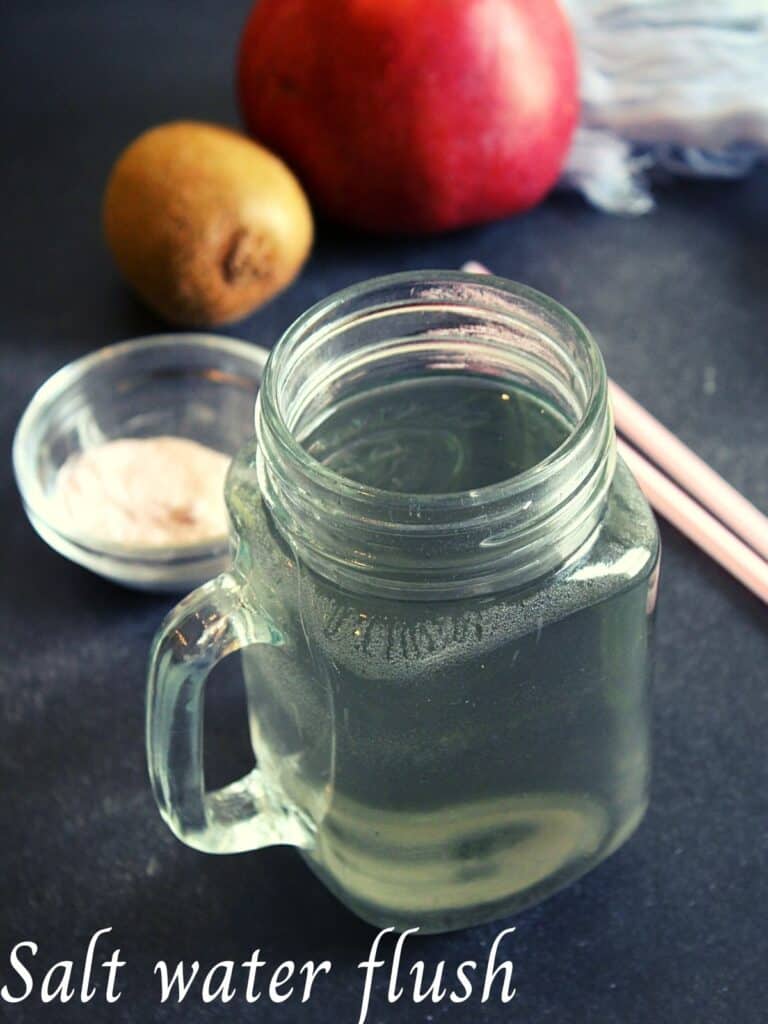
(205, 627)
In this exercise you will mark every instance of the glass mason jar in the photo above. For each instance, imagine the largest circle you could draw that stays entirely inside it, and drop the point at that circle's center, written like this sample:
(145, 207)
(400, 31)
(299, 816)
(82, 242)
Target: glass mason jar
(447, 692)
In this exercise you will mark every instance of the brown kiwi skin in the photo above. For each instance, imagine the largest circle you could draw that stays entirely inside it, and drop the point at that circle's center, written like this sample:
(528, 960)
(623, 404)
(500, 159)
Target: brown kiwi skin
(204, 223)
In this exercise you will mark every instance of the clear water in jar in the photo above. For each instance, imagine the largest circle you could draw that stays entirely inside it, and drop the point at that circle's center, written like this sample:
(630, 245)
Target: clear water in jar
(459, 759)
(437, 435)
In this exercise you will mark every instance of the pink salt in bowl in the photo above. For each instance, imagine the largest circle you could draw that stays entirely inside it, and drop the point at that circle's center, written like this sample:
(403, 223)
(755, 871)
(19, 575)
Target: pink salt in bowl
(201, 387)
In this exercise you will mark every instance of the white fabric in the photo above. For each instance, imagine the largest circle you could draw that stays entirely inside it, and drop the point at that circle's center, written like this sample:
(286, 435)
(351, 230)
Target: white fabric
(680, 84)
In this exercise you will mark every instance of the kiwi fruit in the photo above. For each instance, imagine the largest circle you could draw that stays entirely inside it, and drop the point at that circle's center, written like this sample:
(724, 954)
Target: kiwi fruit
(204, 223)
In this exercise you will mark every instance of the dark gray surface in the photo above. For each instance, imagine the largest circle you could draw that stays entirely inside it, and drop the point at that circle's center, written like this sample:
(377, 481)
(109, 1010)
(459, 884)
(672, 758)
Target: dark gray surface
(672, 928)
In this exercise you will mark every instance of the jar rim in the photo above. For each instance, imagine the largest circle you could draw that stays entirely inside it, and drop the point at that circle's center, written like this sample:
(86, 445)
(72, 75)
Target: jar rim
(438, 545)
(301, 330)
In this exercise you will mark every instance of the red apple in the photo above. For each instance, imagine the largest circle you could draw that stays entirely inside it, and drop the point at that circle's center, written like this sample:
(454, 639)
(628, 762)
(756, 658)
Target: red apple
(413, 115)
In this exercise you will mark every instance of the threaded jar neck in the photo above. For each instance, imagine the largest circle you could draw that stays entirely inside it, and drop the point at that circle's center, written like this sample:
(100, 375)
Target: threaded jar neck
(435, 546)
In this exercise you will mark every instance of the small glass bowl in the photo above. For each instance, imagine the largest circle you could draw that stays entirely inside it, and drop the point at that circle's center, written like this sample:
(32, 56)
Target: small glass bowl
(198, 386)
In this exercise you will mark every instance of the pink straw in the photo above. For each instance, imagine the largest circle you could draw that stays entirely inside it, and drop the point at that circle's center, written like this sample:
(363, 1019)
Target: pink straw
(690, 471)
(697, 524)
(699, 479)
